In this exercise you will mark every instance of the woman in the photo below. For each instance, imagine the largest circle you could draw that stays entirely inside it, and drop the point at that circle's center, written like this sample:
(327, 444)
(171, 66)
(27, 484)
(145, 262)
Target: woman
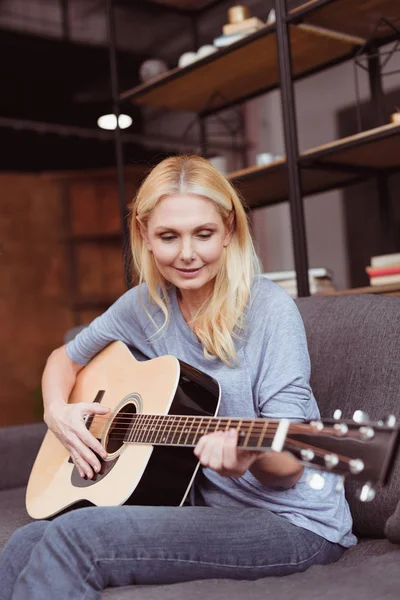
(200, 298)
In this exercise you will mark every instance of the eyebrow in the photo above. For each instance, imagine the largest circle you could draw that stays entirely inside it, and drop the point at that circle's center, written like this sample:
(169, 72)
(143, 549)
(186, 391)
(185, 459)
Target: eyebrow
(204, 226)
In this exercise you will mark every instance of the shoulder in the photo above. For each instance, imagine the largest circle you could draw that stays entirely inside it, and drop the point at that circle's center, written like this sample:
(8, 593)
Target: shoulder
(271, 307)
(266, 296)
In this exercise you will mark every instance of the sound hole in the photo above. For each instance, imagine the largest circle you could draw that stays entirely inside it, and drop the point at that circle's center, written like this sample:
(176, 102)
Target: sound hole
(120, 427)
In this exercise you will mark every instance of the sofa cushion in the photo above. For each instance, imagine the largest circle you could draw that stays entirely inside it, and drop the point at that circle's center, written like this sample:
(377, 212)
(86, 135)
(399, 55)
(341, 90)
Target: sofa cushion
(12, 512)
(19, 446)
(376, 576)
(392, 529)
(354, 344)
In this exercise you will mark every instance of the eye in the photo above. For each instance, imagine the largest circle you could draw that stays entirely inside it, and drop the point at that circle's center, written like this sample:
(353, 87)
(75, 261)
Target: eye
(205, 235)
(168, 238)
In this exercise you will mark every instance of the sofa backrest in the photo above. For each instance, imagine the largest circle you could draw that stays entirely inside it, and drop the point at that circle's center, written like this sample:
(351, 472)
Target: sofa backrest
(354, 344)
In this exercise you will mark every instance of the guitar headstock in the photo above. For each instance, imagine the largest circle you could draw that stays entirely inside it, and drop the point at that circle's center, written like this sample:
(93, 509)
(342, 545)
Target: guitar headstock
(357, 448)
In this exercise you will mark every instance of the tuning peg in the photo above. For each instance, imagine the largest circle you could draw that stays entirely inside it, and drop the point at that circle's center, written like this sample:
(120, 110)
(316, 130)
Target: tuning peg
(360, 417)
(337, 414)
(318, 425)
(307, 455)
(316, 481)
(331, 460)
(356, 465)
(367, 493)
(366, 433)
(390, 421)
(341, 428)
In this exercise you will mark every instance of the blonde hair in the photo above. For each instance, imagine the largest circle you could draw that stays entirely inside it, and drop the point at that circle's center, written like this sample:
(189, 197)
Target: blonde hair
(220, 320)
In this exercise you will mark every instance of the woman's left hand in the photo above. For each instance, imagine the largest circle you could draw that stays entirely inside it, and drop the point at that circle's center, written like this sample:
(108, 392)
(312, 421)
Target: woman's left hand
(219, 452)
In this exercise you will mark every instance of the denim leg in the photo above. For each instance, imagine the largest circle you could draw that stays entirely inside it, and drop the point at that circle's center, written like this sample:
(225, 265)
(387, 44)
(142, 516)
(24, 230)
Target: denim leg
(86, 550)
(16, 553)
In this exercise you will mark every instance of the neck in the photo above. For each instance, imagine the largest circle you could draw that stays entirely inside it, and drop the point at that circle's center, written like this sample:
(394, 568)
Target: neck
(191, 301)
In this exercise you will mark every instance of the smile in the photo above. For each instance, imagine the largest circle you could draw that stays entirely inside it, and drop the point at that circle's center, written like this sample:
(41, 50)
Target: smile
(189, 272)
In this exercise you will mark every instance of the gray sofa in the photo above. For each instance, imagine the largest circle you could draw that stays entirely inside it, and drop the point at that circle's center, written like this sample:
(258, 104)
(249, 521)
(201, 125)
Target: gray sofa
(354, 345)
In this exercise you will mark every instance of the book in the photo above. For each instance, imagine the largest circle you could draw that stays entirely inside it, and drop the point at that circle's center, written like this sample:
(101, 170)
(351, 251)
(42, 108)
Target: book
(379, 271)
(319, 281)
(225, 40)
(316, 272)
(385, 280)
(232, 28)
(385, 260)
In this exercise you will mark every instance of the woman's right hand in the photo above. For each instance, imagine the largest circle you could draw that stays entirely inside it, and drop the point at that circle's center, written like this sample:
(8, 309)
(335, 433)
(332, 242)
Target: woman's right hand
(67, 423)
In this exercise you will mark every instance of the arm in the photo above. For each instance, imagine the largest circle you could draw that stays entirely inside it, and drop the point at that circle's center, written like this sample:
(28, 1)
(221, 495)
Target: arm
(219, 452)
(66, 420)
(281, 389)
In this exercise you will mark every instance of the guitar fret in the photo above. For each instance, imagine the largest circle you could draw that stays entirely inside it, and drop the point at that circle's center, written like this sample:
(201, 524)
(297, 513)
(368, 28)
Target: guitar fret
(250, 428)
(241, 432)
(189, 432)
(173, 422)
(152, 429)
(262, 435)
(161, 437)
(182, 430)
(134, 426)
(199, 432)
(142, 436)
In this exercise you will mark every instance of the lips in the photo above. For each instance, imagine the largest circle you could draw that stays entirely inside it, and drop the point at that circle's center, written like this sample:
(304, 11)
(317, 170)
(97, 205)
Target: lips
(189, 272)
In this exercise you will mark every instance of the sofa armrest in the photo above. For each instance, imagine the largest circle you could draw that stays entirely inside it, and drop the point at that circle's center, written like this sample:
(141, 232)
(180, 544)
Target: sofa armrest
(19, 446)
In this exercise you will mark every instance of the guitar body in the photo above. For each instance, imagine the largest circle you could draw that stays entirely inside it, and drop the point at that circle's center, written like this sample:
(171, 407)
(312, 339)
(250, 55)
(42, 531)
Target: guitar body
(143, 474)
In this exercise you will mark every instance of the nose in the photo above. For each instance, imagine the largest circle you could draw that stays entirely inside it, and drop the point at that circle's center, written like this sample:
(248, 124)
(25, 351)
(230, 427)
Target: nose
(187, 253)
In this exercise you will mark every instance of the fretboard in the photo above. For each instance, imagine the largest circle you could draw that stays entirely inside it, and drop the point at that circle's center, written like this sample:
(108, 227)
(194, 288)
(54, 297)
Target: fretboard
(187, 430)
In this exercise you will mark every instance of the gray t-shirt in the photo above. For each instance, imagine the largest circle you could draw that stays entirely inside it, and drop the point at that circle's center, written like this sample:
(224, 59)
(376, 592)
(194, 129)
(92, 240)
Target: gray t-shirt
(271, 380)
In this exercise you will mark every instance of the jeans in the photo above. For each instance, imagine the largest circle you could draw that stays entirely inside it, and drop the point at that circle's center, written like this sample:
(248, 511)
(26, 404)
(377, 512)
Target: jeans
(80, 553)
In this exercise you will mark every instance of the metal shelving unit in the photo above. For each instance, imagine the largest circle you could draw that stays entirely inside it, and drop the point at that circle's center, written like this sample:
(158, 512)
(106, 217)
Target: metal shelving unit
(308, 39)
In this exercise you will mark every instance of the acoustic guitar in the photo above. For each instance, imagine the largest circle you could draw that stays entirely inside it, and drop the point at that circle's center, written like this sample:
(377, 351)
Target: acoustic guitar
(159, 409)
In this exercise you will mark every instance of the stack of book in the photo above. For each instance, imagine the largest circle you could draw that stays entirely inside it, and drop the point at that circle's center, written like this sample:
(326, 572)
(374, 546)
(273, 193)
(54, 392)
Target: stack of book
(320, 281)
(384, 270)
(232, 32)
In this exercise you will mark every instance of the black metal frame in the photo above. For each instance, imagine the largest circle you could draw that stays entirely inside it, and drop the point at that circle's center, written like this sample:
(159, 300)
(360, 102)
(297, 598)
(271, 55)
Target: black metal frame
(294, 163)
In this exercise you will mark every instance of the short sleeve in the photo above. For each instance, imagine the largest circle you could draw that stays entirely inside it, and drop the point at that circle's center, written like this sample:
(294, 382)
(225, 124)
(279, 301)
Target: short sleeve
(123, 321)
(282, 388)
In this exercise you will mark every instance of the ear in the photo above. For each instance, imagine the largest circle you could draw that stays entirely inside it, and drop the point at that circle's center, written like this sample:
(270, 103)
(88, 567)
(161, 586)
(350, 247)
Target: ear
(229, 229)
(143, 233)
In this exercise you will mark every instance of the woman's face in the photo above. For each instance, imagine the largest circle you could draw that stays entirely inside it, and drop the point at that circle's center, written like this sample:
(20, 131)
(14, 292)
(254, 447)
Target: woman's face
(187, 236)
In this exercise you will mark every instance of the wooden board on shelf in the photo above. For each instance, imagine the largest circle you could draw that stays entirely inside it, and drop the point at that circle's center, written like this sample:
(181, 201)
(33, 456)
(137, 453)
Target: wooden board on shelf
(354, 17)
(241, 70)
(184, 4)
(374, 149)
(377, 148)
(268, 185)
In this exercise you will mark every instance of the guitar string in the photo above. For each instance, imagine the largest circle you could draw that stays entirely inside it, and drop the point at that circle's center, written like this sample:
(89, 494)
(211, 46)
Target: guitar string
(144, 419)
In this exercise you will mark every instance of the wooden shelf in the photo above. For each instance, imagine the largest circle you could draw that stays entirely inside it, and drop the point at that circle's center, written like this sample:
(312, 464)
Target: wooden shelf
(268, 185)
(242, 70)
(368, 151)
(354, 17)
(183, 4)
(377, 148)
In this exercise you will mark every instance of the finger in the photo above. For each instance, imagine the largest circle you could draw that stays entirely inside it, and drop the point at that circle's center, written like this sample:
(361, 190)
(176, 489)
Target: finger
(89, 460)
(78, 462)
(200, 445)
(229, 451)
(90, 441)
(213, 452)
(94, 408)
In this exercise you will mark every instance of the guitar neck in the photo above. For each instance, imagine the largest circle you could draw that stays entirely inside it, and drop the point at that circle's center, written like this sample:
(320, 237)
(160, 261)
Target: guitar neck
(180, 430)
